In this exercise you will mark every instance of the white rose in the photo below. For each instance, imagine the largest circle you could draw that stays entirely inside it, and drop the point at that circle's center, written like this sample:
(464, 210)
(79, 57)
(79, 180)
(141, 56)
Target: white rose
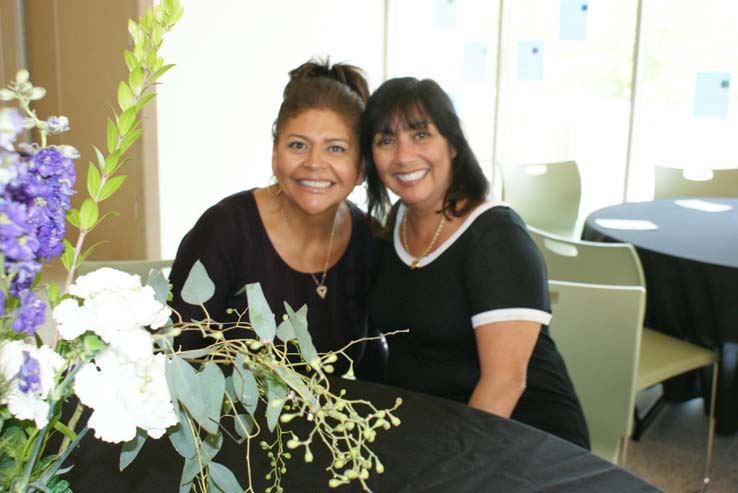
(125, 395)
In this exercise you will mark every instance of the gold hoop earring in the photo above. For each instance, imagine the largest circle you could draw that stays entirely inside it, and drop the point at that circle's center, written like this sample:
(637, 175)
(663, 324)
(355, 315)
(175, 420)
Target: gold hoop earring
(271, 185)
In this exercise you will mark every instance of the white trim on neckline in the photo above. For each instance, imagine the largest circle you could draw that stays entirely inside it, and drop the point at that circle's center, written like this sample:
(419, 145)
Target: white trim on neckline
(408, 259)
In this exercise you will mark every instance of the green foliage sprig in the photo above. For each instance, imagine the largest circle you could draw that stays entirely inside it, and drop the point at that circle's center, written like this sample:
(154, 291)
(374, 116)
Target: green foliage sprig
(145, 67)
(279, 370)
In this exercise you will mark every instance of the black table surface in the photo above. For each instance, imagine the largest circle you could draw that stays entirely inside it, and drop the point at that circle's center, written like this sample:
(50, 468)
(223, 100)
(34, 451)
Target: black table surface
(441, 446)
(690, 234)
(690, 265)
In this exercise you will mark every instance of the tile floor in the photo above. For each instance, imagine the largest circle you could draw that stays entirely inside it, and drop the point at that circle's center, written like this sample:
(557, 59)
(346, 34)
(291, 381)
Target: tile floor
(671, 452)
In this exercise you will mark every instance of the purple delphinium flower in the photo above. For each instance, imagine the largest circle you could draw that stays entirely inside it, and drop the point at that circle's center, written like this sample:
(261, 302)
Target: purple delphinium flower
(29, 374)
(30, 314)
(57, 124)
(11, 124)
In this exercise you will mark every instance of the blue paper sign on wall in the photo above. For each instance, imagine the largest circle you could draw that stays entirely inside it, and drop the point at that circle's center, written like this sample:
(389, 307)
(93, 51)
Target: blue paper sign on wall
(712, 95)
(530, 61)
(573, 20)
(476, 61)
(444, 15)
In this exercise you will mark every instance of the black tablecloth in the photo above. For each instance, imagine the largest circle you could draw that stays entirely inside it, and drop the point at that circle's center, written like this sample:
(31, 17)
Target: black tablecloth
(441, 446)
(690, 265)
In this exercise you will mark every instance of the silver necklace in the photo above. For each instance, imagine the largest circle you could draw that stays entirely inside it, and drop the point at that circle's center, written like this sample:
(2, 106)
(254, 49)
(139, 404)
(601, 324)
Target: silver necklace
(320, 288)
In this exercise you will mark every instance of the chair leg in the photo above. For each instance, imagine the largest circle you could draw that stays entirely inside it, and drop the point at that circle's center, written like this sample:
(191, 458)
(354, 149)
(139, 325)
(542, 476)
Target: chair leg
(711, 429)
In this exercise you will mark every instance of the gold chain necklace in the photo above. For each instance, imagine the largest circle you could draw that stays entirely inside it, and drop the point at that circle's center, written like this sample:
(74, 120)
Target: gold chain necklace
(320, 286)
(403, 235)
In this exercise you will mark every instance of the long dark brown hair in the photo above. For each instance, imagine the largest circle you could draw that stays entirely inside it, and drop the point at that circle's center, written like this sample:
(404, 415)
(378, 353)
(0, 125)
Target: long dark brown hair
(406, 99)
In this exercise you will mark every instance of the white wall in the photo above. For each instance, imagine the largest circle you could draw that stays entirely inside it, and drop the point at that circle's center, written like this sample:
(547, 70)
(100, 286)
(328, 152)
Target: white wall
(216, 107)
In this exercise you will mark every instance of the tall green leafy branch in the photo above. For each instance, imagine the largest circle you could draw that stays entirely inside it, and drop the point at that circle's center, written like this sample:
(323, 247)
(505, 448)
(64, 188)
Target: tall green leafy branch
(145, 67)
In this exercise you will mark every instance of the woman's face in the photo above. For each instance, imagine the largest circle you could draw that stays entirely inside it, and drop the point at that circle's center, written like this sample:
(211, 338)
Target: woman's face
(316, 160)
(414, 161)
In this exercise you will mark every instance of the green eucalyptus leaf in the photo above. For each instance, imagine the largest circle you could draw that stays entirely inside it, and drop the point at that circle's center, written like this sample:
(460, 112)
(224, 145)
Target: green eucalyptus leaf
(131, 448)
(111, 186)
(198, 288)
(210, 447)
(93, 179)
(73, 217)
(181, 436)
(222, 480)
(125, 96)
(260, 314)
(285, 331)
(243, 424)
(88, 214)
(304, 341)
(112, 135)
(189, 471)
(130, 139)
(276, 392)
(211, 391)
(126, 120)
(160, 284)
(184, 385)
(244, 386)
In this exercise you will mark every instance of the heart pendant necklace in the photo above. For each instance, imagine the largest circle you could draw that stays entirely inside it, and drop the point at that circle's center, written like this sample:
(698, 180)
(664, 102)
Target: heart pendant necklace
(320, 288)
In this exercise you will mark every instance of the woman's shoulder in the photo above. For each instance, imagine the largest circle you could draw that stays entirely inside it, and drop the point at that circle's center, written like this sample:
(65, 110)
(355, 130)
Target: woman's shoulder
(490, 217)
(235, 207)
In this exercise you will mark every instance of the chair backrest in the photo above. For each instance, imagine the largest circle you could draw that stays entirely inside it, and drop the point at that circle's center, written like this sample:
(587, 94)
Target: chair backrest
(598, 332)
(589, 261)
(545, 195)
(139, 267)
(678, 182)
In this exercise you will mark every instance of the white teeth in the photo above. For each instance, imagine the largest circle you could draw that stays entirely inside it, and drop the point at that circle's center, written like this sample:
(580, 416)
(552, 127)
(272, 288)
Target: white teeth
(315, 184)
(415, 175)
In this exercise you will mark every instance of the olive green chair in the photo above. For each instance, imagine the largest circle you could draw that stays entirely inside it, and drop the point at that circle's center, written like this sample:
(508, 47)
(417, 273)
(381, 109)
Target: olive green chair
(678, 182)
(598, 332)
(141, 268)
(661, 356)
(546, 195)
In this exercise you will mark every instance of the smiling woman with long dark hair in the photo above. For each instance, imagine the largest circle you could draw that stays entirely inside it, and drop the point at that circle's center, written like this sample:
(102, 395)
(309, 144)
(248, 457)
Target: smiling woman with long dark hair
(459, 270)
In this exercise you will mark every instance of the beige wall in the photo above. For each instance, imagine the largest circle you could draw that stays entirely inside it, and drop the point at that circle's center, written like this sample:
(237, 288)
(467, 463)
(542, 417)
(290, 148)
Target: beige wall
(75, 50)
(11, 53)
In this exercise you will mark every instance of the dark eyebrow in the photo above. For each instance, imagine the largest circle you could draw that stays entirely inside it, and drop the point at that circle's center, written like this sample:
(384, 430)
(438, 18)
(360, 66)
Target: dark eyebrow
(418, 125)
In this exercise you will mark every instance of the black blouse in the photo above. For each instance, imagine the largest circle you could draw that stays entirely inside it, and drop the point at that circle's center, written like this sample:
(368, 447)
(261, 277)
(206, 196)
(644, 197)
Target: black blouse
(232, 243)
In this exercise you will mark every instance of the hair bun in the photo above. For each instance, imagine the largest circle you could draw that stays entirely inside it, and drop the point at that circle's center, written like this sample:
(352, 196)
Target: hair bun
(349, 75)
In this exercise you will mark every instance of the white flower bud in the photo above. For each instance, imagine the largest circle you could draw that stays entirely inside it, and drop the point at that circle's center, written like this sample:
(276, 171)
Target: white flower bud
(21, 76)
(37, 93)
(6, 95)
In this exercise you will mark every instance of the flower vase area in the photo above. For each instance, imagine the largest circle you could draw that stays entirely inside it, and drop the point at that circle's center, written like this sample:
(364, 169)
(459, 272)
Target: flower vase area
(106, 362)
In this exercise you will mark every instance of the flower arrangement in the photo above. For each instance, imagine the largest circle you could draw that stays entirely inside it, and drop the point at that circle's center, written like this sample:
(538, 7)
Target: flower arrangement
(112, 347)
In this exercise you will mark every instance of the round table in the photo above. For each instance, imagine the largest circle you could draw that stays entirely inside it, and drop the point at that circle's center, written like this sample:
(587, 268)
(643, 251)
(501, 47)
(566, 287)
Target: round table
(690, 263)
(441, 446)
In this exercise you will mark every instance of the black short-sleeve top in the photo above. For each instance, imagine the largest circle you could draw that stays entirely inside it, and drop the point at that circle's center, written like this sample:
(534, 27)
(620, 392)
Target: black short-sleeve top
(488, 271)
(232, 243)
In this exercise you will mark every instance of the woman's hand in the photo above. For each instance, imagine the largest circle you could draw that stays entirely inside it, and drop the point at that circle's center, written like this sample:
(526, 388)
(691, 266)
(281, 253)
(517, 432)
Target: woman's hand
(504, 350)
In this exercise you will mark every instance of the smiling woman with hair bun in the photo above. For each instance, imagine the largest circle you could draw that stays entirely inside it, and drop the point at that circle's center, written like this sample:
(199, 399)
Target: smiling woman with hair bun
(300, 238)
